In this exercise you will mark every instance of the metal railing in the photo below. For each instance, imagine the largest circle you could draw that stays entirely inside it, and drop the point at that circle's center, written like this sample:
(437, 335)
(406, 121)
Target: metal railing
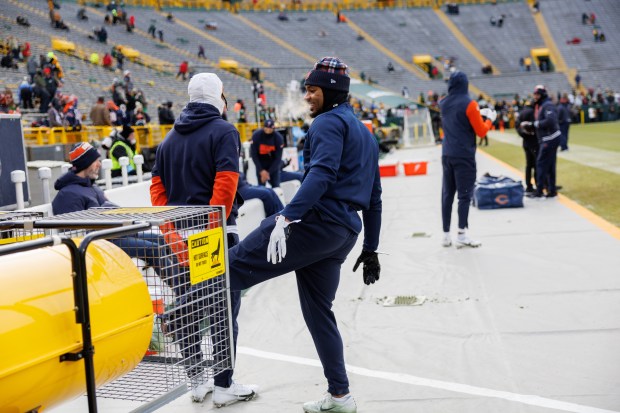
(146, 136)
(300, 5)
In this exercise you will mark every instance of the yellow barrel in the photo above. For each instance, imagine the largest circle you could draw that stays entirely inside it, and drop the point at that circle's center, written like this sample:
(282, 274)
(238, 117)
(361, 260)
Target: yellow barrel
(38, 324)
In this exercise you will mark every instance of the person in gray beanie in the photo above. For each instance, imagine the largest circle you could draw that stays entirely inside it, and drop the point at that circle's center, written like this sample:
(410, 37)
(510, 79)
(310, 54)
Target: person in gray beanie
(316, 231)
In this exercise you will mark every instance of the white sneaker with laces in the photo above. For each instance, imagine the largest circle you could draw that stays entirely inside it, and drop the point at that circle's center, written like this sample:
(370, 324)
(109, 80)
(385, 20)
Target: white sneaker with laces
(345, 404)
(447, 240)
(464, 241)
(223, 396)
(200, 389)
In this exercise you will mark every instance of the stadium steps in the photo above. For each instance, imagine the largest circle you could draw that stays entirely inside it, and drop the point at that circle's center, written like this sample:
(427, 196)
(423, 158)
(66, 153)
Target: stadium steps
(83, 79)
(39, 44)
(157, 84)
(482, 59)
(564, 21)
(601, 79)
(556, 55)
(279, 64)
(144, 59)
(302, 32)
(379, 46)
(410, 32)
(507, 85)
(237, 86)
(503, 46)
(227, 46)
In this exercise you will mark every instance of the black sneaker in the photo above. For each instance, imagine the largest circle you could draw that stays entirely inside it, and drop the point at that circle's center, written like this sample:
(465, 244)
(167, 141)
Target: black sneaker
(534, 195)
(551, 195)
(529, 190)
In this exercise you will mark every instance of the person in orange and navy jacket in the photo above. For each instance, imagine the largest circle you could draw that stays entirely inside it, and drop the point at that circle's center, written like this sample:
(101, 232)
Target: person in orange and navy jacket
(198, 164)
(266, 152)
(462, 120)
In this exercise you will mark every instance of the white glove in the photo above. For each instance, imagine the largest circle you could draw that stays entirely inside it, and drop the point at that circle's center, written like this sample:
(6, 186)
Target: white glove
(276, 250)
(489, 114)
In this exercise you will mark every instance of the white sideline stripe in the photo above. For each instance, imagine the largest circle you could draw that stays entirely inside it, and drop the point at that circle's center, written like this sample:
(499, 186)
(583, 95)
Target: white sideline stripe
(438, 384)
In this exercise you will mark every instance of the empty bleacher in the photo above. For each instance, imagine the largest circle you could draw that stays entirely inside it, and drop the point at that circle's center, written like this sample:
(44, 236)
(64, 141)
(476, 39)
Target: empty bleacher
(505, 86)
(564, 21)
(302, 31)
(279, 65)
(503, 46)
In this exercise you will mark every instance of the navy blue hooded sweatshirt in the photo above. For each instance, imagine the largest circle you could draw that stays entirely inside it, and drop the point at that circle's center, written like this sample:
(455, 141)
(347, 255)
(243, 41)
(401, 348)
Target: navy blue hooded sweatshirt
(461, 119)
(341, 175)
(266, 151)
(198, 161)
(76, 194)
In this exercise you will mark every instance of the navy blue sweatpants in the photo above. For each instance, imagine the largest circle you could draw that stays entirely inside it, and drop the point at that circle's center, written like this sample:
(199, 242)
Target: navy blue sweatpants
(271, 201)
(459, 175)
(316, 249)
(546, 166)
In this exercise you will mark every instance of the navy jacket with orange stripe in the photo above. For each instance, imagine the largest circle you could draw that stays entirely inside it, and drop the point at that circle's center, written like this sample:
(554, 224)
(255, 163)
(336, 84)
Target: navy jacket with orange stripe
(461, 119)
(266, 151)
(198, 161)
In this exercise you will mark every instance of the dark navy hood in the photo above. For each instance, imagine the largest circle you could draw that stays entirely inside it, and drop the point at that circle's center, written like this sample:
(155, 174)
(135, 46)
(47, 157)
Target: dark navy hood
(194, 116)
(458, 84)
(70, 178)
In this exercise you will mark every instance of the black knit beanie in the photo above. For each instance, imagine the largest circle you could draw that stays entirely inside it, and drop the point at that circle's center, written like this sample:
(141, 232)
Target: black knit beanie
(329, 73)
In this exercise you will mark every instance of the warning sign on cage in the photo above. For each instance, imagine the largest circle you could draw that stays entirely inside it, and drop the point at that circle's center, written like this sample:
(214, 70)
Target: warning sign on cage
(137, 210)
(206, 255)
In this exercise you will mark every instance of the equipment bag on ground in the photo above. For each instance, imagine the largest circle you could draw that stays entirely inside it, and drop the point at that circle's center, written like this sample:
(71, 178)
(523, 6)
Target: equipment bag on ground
(493, 192)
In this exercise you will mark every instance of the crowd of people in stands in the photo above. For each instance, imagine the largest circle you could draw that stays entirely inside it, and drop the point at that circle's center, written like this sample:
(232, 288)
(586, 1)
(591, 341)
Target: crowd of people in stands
(128, 106)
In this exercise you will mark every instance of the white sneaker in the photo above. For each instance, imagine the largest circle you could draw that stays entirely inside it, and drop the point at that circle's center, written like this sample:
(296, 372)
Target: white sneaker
(223, 396)
(464, 241)
(200, 389)
(447, 240)
(344, 404)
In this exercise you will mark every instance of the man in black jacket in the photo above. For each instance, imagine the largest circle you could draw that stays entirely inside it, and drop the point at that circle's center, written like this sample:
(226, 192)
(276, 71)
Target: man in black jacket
(165, 114)
(525, 128)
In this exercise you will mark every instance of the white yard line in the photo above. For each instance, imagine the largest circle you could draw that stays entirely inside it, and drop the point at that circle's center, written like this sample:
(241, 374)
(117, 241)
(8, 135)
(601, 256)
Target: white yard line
(404, 378)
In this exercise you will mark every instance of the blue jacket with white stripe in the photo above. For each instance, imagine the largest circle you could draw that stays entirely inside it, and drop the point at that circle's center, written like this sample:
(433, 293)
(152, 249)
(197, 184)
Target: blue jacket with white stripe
(547, 126)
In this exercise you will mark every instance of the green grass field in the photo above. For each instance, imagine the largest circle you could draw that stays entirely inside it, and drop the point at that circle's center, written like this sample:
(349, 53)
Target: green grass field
(595, 189)
(597, 135)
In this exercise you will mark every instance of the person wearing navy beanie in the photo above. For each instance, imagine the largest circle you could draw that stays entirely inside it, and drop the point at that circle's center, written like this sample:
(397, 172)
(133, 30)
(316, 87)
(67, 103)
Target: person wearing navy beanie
(316, 231)
(266, 152)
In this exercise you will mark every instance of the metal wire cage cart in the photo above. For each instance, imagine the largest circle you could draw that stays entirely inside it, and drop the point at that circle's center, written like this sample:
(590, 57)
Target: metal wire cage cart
(10, 233)
(182, 256)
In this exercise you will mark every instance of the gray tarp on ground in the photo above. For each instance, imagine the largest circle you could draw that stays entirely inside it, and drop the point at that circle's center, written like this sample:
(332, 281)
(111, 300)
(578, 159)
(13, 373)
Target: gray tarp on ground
(534, 311)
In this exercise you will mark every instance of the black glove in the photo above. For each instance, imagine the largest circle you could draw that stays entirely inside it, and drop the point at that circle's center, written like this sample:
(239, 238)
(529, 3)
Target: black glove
(528, 127)
(372, 269)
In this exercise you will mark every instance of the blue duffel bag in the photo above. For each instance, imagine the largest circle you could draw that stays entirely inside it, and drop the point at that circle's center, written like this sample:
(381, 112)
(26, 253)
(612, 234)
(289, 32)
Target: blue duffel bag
(493, 192)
